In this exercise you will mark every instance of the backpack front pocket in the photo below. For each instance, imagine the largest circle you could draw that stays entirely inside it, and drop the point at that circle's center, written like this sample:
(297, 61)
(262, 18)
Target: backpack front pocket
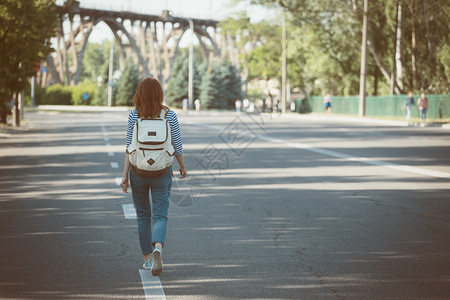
(151, 159)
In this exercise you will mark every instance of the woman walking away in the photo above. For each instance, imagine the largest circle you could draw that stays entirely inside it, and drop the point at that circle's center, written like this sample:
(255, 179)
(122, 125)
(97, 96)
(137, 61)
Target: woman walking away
(148, 102)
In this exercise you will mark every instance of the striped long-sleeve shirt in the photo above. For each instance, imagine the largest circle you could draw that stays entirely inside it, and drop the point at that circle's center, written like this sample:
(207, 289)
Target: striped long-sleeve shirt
(174, 130)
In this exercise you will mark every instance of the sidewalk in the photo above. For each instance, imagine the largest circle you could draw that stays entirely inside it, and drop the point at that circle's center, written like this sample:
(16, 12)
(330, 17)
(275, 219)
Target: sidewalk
(77, 108)
(369, 120)
(292, 115)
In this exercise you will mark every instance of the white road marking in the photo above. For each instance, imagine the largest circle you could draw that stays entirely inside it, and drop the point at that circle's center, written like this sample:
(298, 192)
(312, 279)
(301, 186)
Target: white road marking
(106, 139)
(360, 159)
(114, 165)
(108, 145)
(344, 156)
(110, 153)
(118, 180)
(152, 286)
(129, 211)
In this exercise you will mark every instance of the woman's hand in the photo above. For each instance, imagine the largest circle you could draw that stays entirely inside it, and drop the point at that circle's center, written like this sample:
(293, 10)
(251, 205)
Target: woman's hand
(124, 184)
(183, 172)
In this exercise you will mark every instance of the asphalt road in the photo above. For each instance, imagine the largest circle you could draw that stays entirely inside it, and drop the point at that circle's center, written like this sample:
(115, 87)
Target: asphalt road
(273, 208)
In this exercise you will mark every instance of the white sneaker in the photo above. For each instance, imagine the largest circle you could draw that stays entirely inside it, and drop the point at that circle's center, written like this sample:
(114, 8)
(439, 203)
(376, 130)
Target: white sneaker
(148, 265)
(157, 262)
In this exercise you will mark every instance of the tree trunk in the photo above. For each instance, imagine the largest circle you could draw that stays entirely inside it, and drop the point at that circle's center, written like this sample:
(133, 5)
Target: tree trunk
(413, 45)
(381, 66)
(399, 50)
(16, 112)
(394, 49)
(378, 60)
(375, 82)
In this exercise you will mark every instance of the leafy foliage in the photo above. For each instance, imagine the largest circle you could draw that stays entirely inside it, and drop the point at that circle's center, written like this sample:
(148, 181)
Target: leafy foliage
(84, 93)
(25, 33)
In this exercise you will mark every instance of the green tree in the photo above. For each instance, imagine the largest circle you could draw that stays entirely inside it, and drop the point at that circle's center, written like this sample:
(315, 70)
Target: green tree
(129, 82)
(220, 86)
(419, 58)
(177, 87)
(229, 84)
(209, 90)
(103, 69)
(25, 32)
(94, 61)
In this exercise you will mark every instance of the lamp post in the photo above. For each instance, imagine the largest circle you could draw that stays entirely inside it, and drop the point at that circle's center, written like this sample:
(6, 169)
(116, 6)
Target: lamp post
(191, 66)
(110, 74)
(283, 66)
(362, 83)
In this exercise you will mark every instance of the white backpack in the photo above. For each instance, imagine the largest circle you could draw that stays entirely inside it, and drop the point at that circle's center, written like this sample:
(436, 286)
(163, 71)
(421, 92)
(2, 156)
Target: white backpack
(151, 151)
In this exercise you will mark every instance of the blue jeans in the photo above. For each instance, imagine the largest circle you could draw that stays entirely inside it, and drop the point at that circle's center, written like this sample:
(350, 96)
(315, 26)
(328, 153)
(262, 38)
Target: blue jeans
(160, 191)
(423, 113)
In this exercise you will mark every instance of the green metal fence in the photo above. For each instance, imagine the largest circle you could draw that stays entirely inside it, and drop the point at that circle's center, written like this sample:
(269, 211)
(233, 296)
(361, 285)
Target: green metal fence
(377, 106)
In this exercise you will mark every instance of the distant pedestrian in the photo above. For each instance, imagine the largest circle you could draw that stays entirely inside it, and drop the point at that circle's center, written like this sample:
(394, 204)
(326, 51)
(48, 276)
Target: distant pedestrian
(246, 104)
(238, 105)
(185, 104)
(197, 104)
(423, 106)
(151, 215)
(327, 101)
(409, 103)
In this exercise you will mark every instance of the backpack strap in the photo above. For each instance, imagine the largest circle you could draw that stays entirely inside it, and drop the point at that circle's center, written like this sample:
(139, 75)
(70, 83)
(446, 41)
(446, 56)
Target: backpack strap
(164, 112)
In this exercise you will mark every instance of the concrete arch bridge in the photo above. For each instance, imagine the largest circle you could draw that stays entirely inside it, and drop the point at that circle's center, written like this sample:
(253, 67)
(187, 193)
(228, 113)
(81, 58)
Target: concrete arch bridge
(152, 40)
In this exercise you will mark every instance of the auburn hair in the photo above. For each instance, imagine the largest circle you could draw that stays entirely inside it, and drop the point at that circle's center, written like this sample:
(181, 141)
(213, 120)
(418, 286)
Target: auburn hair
(148, 98)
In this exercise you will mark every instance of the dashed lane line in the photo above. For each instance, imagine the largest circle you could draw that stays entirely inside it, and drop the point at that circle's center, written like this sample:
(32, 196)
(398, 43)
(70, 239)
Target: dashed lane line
(152, 286)
(129, 211)
(365, 160)
(361, 159)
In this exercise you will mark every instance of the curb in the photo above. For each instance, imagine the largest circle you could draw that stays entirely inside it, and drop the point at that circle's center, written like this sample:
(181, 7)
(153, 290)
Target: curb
(386, 122)
(77, 108)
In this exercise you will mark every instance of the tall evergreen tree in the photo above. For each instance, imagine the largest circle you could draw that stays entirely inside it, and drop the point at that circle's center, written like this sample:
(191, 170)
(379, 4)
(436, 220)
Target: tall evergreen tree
(220, 86)
(128, 85)
(209, 90)
(229, 84)
(177, 88)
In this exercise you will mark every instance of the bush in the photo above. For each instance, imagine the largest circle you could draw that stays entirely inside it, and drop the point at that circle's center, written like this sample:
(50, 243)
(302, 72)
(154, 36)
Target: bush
(57, 95)
(39, 94)
(83, 93)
